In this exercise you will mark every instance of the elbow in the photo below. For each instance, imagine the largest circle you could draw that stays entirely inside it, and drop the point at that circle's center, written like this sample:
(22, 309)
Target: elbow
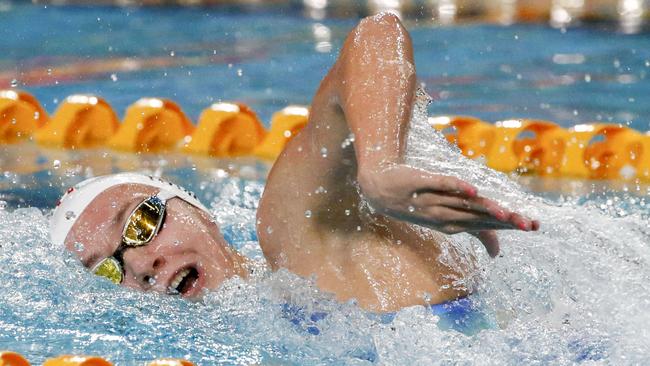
(383, 18)
(382, 24)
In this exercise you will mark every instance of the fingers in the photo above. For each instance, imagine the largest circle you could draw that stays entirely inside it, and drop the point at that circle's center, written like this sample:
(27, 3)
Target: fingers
(442, 183)
(476, 209)
(475, 204)
(489, 240)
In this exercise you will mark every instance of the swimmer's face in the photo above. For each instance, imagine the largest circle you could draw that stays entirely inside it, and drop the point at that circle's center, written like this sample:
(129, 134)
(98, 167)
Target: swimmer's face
(187, 255)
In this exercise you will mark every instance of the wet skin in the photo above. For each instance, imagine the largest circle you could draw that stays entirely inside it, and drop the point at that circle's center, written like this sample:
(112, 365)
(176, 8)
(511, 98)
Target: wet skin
(314, 218)
(380, 259)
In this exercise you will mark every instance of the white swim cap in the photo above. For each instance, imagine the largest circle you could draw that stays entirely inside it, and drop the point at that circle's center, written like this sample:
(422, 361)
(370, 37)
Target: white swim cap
(77, 198)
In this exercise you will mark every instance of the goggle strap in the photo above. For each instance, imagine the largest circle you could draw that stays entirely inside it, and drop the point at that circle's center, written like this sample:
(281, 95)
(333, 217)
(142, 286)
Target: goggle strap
(165, 195)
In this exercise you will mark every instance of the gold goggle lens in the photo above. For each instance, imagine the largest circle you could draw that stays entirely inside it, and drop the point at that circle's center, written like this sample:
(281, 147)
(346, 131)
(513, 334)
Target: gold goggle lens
(144, 222)
(111, 269)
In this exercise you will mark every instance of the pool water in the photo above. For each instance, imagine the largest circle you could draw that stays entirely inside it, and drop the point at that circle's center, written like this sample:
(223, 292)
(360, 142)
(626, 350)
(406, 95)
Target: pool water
(574, 292)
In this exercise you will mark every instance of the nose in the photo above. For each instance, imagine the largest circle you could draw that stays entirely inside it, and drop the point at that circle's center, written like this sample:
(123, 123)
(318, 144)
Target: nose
(141, 266)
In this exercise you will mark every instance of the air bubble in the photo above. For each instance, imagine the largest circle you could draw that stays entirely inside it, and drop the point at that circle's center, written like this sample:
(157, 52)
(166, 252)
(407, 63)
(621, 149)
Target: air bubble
(151, 281)
(14, 83)
(3, 205)
(114, 77)
(56, 164)
(411, 209)
(323, 152)
(347, 212)
(69, 215)
(79, 247)
(308, 213)
(269, 229)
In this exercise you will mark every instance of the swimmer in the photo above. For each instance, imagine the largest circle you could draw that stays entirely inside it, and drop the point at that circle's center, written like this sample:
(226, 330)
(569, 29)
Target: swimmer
(340, 205)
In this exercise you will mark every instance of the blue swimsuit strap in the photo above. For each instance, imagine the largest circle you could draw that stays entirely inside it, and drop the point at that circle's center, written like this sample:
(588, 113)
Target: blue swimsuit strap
(464, 315)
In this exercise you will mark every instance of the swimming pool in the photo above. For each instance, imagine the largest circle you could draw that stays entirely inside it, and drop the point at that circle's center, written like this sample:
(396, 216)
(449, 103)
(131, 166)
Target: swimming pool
(575, 292)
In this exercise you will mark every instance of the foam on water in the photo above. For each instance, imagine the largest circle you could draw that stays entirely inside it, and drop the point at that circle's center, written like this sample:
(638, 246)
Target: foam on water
(573, 292)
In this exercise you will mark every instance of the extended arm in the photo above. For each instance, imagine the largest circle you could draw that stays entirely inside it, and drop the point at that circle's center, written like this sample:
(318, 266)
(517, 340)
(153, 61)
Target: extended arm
(377, 87)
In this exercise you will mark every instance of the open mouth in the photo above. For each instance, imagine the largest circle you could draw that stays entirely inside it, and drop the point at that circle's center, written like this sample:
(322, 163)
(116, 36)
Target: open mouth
(184, 282)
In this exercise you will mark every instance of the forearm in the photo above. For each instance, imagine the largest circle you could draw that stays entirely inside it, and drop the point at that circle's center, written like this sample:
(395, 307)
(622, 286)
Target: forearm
(377, 86)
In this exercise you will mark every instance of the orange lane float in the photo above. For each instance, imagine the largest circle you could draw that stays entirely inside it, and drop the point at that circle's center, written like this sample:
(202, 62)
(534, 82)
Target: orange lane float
(20, 115)
(12, 359)
(81, 121)
(226, 130)
(284, 125)
(612, 152)
(77, 361)
(644, 162)
(473, 136)
(591, 151)
(171, 362)
(525, 145)
(152, 125)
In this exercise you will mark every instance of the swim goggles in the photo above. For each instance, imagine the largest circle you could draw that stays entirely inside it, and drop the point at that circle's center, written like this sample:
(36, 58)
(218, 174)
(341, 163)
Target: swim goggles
(140, 228)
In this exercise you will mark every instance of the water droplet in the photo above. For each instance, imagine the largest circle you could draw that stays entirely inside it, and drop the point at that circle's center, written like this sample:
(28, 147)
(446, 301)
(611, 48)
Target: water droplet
(56, 164)
(398, 242)
(114, 77)
(14, 83)
(287, 133)
(587, 78)
(427, 297)
(411, 209)
(308, 213)
(152, 281)
(37, 115)
(49, 71)
(113, 204)
(323, 152)
(172, 53)
(3, 205)
(79, 247)
(177, 242)
(269, 229)
(347, 212)
(69, 215)
(240, 72)
(358, 227)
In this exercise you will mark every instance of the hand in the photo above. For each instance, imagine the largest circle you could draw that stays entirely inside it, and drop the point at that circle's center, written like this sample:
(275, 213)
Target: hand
(443, 203)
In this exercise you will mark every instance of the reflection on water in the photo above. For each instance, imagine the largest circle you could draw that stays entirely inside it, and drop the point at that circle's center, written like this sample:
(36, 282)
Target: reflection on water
(630, 14)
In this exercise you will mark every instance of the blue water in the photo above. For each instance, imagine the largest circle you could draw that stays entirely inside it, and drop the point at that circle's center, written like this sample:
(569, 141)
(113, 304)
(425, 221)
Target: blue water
(575, 292)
